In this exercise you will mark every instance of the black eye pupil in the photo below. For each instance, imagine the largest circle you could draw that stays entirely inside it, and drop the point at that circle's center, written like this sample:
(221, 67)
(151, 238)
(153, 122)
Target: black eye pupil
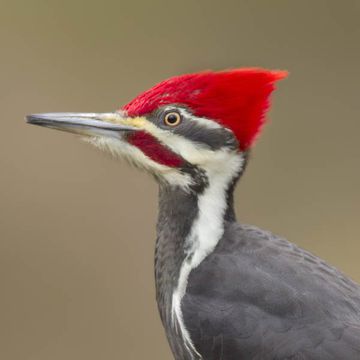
(172, 118)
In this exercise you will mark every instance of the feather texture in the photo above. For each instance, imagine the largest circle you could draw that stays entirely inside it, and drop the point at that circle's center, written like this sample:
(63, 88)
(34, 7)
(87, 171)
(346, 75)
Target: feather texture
(237, 99)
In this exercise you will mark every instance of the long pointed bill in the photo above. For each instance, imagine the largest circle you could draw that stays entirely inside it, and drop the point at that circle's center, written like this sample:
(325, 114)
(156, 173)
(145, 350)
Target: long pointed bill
(85, 124)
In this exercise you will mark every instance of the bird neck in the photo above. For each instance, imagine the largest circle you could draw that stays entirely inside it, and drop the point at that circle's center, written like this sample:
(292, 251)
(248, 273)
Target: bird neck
(189, 220)
(190, 224)
(180, 210)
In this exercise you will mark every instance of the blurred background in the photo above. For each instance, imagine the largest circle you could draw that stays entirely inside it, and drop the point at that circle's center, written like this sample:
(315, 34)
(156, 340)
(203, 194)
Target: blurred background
(77, 228)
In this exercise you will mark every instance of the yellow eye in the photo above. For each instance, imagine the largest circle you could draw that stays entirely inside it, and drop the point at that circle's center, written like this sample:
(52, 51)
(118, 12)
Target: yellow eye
(172, 119)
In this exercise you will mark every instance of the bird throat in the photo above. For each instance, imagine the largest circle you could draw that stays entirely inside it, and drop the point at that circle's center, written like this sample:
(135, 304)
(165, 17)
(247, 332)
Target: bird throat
(190, 225)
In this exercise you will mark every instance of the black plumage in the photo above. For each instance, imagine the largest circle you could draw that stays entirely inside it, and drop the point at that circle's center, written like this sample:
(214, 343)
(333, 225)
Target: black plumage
(256, 296)
(225, 291)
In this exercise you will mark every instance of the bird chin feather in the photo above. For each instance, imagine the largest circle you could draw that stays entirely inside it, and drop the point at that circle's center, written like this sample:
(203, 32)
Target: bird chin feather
(121, 149)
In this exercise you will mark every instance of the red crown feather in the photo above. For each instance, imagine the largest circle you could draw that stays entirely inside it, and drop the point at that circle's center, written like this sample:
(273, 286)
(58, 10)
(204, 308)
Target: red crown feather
(237, 99)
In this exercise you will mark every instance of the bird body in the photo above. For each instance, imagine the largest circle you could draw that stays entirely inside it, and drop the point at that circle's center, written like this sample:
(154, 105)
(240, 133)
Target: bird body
(254, 296)
(225, 291)
(284, 303)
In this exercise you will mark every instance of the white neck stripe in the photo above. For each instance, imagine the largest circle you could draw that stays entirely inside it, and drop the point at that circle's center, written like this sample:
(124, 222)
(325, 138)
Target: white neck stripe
(205, 233)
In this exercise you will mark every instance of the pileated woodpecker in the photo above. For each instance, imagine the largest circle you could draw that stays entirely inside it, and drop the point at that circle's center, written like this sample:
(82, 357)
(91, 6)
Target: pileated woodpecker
(225, 290)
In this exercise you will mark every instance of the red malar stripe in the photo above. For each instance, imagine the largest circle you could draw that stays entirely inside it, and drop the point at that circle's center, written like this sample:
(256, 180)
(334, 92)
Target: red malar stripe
(152, 148)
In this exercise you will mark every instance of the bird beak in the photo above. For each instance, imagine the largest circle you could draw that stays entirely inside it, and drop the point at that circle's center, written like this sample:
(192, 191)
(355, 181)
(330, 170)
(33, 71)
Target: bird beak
(85, 124)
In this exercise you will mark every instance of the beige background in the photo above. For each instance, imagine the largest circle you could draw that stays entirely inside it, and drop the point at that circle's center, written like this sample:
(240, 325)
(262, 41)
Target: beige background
(77, 228)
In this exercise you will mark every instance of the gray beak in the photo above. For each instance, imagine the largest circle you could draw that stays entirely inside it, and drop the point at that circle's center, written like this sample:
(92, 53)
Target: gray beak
(85, 124)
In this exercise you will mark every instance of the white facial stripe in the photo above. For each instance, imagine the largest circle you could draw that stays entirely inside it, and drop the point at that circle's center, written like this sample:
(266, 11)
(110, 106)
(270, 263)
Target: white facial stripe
(208, 123)
(194, 153)
(122, 149)
(206, 231)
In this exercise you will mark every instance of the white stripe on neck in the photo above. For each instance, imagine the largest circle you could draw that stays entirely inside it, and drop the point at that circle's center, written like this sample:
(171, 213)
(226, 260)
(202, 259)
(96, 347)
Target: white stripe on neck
(205, 233)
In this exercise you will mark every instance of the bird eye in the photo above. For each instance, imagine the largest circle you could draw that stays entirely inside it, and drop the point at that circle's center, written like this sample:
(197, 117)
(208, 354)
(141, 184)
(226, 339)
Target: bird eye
(172, 119)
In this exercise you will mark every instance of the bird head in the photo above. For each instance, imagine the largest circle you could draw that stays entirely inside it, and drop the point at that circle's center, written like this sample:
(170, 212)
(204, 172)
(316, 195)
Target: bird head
(184, 130)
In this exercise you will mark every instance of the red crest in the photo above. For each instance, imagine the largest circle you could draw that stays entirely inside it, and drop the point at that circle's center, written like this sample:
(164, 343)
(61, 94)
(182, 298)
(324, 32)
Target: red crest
(237, 99)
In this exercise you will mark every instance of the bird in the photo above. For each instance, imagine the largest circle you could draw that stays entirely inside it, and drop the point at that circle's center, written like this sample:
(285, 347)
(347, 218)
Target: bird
(225, 290)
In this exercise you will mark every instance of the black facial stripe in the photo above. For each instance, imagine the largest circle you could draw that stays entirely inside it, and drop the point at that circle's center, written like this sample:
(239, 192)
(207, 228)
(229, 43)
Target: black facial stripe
(211, 137)
(195, 131)
(199, 177)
